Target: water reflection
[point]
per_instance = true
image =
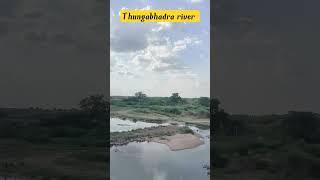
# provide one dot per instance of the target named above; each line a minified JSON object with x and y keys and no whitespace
{"x":154,"y":161}
{"x":145,"y":161}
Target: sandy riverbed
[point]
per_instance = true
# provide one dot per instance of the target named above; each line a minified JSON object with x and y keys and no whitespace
{"x":180,"y":141}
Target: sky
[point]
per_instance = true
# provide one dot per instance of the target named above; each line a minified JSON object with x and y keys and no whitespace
{"x":160,"y":58}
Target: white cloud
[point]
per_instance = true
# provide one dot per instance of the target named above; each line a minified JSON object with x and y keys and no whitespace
{"x":162,"y":26}
{"x":139,"y":45}
{"x":126,"y":37}
{"x":161,"y":85}
{"x":146,"y":8}
{"x":163,"y":55}
{"x":146,"y":57}
{"x":182,"y":44}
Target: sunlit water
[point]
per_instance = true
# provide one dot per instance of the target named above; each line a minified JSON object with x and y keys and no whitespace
{"x":154,"y":161}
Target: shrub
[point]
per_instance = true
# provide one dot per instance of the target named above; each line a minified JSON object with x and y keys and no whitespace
{"x":204,"y":101}
{"x":186,"y":130}
{"x":175,"y":99}
{"x":203,"y":113}
{"x":94,"y":104}
{"x":172,"y":110}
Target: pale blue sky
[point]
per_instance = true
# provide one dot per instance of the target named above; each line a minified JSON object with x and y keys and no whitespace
{"x":160,"y":58}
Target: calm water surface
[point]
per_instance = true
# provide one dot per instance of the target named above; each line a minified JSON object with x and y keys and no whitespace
{"x":154,"y":161}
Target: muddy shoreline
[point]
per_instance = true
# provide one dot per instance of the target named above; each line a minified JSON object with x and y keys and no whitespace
{"x":180,"y":141}
{"x":175,"y":137}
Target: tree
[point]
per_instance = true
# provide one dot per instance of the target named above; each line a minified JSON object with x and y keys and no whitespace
{"x":94,"y":104}
{"x":175,"y":98}
{"x":220,"y":118}
{"x":140,"y":96}
{"x":214,"y":106}
{"x":204,"y":101}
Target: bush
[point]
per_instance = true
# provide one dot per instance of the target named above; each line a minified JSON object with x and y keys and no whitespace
{"x":141,"y":110}
{"x":186,"y":130}
{"x":94,"y":104}
{"x":203,"y":114}
{"x":172,"y":110}
{"x":175,"y":99}
{"x":204,"y":101}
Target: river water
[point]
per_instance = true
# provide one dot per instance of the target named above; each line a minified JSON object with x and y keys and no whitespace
{"x":154,"y":161}
{"x":120,"y":125}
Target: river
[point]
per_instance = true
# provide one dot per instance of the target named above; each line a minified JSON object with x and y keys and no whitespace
{"x":154,"y":161}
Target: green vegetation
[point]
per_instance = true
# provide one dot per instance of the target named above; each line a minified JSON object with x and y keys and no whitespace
{"x":173,"y":108}
{"x":265,"y":147}
{"x":94,"y":104}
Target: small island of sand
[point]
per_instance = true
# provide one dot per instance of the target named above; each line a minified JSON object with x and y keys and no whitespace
{"x":175,"y":137}
{"x":180,"y":141}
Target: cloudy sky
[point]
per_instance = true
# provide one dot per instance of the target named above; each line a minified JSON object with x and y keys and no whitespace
{"x":160,"y":58}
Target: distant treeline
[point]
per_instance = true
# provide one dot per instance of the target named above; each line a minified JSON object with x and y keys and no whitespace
{"x":173,"y":105}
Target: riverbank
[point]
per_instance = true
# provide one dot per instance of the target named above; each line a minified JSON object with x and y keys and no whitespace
{"x":155,"y":117}
{"x":175,"y":137}
{"x":160,"y":110}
